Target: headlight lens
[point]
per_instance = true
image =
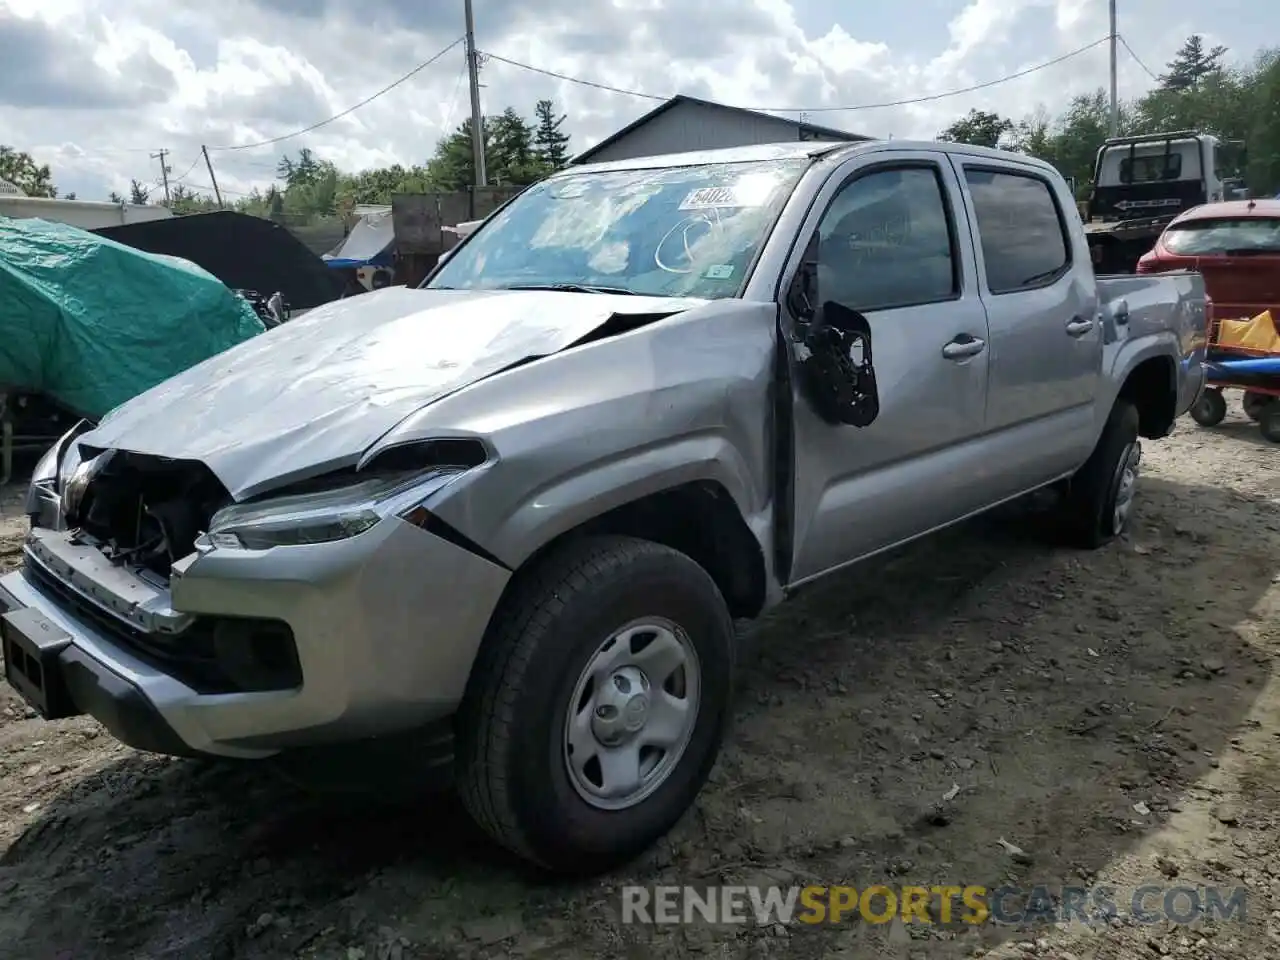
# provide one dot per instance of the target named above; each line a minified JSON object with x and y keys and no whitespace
{"x":323,"y":516}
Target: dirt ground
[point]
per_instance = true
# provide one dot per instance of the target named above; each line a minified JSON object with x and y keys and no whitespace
{"x":1114,"y":715}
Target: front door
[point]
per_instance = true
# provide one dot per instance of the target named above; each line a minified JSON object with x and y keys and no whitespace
{"x":892,"y":245}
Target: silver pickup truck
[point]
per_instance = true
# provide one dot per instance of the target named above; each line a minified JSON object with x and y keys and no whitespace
{"x":500,"y":526}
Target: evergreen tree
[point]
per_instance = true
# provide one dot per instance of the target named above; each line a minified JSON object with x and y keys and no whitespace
{"x":552,"y":144}
{"x":1191,"y":64}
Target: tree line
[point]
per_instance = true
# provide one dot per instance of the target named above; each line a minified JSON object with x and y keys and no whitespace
{"x":1197,"y":91}
{"x":517,"y":152}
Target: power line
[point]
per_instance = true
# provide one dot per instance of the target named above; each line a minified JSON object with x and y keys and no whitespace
{"x":861,"y":106}
{"x":577,"y":80}
{"x":1136,"y":58}
{"x":338,"y":116}
{"x":453,"y":100}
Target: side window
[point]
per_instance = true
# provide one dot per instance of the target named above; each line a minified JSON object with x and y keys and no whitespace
{"x":1023,"y":234}
{"x":886,"y":241}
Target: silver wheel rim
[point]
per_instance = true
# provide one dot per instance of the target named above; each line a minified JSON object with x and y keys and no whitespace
{"x":631,"y":714}
{"x":1126,"y":483}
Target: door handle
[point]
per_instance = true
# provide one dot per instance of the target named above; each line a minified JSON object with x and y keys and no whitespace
{"x":963,"y":347}
{"x":1079,"y":326}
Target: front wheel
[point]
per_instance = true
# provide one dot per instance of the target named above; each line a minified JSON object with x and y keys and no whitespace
{"x":598,"y":704}
{"x":1211,"y":409}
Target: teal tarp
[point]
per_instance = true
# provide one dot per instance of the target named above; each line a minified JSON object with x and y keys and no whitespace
{"x":92,"y":323}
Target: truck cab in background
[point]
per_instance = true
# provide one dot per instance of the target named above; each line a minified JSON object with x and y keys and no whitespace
{"x":1142,"y":182}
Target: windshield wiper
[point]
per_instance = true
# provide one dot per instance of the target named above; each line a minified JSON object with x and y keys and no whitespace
{"x":570,"y":288}
{"x":1252,"y":252}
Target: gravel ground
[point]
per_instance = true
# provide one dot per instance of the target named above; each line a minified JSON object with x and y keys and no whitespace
{"x":1115,"y":715}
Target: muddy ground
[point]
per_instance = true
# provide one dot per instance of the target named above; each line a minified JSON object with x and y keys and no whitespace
{"x":1115,"y":716}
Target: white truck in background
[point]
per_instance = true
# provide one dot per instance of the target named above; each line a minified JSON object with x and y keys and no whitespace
{"x":1141,"y":183}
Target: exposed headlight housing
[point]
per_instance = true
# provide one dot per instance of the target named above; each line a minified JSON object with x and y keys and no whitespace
{"x":44,"y":494}
{"x":326,"y":515}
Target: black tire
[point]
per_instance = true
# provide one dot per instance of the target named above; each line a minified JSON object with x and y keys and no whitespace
{"x":1254,"y":404}
{"x":1210,"y":410}
{"x":1269,"y":421}
{"x":1089,"y":509}
{"x":511,"y":772}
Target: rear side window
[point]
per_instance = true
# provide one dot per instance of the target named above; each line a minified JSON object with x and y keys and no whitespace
{"x":1023,"y":234}
{"x":1198,"y":238}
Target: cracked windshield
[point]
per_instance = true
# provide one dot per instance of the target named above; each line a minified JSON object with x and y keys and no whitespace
{"x":668,"y":232}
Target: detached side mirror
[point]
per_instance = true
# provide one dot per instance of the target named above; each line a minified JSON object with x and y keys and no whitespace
{"x":836,"y":366}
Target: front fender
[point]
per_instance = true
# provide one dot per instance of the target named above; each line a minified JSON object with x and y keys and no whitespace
{"x":682,"y":400}
{"x":574,"y":499}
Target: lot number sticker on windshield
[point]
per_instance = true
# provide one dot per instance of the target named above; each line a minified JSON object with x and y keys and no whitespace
{"x":707,"y":198}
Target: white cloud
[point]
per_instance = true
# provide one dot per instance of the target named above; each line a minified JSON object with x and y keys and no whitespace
{"x":93,"y":87}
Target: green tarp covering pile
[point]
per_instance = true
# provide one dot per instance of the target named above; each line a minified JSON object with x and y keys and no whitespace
{"x":91,"y":323}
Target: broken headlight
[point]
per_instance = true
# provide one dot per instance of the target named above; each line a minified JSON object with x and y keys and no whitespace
{"x":325,"y":515}
{"x":44,"y":495}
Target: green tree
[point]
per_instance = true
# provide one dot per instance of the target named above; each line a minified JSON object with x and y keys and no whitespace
{"x":1191,"y":64}
{"x":378,"y":186}
{"x":303,"y":171}
{"x":1033,"y":135}
{"x":138,"y":193}
{"x":510,"y":157}
{"x":115,"y":197}
{"x":980,"y":128}
{"x":550,"y":142}
{"x":453,"y":167}
{"x":20,"y":169}
{"x":183,"y":201}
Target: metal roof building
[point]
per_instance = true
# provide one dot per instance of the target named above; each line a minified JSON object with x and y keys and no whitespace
{"x":683,"y":124}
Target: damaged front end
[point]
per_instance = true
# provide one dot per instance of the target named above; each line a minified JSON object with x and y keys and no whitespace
{"x":142,"y":511}
{"x":107,"y":533}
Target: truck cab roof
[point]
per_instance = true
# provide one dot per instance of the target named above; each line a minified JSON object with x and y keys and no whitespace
{"x":788,"y":150}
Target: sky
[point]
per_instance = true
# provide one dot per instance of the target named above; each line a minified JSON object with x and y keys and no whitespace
{"x":94,"y":87}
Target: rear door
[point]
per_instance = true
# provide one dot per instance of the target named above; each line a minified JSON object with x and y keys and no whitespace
{"x":1043,"y":310}
{"x":893,"y":244}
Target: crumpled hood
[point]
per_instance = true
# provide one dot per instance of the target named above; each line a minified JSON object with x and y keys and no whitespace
{"x":315,"y":392}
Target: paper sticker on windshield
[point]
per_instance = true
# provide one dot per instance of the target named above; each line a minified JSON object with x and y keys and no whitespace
{"x":719,"y":271}
{"x":707,"y":198}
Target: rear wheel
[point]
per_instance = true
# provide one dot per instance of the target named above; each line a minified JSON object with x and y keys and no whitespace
{"x":598,"y":704}
{"x":1254,"y":404}
{"x":1210,"y":410}
{"x":1100,"y":497}
{"x":1269,"y":421}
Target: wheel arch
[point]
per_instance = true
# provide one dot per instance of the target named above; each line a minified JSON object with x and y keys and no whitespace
{"x":698,"y":518}
{"x":1151,"y":385}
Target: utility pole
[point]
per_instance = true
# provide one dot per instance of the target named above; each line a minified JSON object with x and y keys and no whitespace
{"x":212,"y":179}
{"x":1115,"y":101}
{"x":164,"y":172}
{"x":477,"y":118}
